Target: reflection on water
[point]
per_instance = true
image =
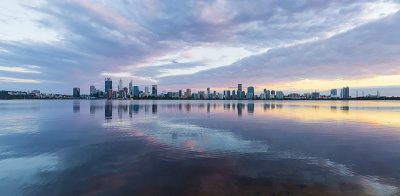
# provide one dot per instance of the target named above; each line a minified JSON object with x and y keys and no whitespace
{"x":199,"y":147}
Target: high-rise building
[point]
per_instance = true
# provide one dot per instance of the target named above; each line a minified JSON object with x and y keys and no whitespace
{"x":154,"y":91}
{"x":333,"y":93}
{"x":180,"y":93}
{"x":227,"y":94}
{"x":130,"y":88}
{"x":108,"y":85}
{"x":136,"y":91}
{"x":273,"y":93}
{"x":239,"y":91}
{"x":345,"y":93}
{"x":233,"y":94}
{"x":188,"y":93}
{"x":76,"y":92}
{"x":120,"y":85}
{"x":267,"y":94}
{"x":208,"y":92}
{"x":93,"y":90}
{"x":250,"y":92}
{"x":279,"y":94}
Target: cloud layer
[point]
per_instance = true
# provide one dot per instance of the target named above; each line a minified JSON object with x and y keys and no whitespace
{"x":197,"y":44}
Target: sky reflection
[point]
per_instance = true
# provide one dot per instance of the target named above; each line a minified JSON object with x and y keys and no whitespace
{"x":210,"y":148}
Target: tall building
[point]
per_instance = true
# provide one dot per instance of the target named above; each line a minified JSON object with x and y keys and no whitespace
{"x":227,"y":94}
{"x":279,"y":94}
{"x":180,"y":93}
{"x":250,"y":92}
{"x":345,"y":93}
{"x":136,"y":91}
{"x":273,"y":93}
{"x":92,"y":90}
{"x":333,"y":93}
{"x":233,"y":94}
{"x":267,"y":94}
{"x":239,"y":91}
{"x":188,"y":93}
{"x":146,"y":91}
{"x":130,"y":88}
{"x":120,"y":85}
{"x":76,"y":92}
{"x":154,"y":91}
{"x":108,"y":86}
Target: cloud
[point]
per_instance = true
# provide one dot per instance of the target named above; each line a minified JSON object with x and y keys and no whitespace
{"x":18,"y":69}
{"x":363,"y":52}
{"x":18,"y":80}
{"x":199,"y":43}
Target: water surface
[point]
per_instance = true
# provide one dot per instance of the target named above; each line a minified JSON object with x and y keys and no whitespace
{"x":101,"y":147}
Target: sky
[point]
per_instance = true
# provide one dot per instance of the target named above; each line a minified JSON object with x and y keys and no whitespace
{"x":294,"y":46}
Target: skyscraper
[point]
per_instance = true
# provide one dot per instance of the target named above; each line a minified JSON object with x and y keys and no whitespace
{"x":227,"y":94}
{"x":180,"y":93}
{"x":92,"y":90}
{"x":345,"y":93}
{"x":239,"y":91}
{"x":208,"y":93}
{"x":120,"y":85}
{"x":188,"y":93}
{"x":130,"y":88}
{"x":250,"y":92}
{"x":136,"y":91}
{"x":76,"y":92}
{"x":279,"y":94}
{"x":108,"y":85}
{"x":154,"y":90}
{"x":333,"y":93}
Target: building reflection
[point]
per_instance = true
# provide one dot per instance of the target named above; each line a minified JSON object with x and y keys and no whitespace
{"x":108,"y":110}
{"x":250,"y":108}
{"x":76,"y":106}
{"x":295,"y":110}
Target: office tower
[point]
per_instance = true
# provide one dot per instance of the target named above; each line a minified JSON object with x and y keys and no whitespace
{"x":345,"y":93}
{"x":279,"y":94}
{"x":92,"y":90}
{"x":154,"y":91}
{"x":136,"y":91}
{"x":233,"y":94}
{"x":146,"y":91}
{"x":120,"y":85}
{"x":208,"y":92}
{"x":273,"y":93}
{"x":227,"y":94}
{"x":188,"y":93}
{"x":239,"y":91}
{"x":202,"y":94}
{"x":108,"y":85}
{"x":76,"y":92}
{"x":250,"y":92}
{"x":243,"y":94}
{"x":130,"y":88}
{"x":333,"y":93}
{"x":267,"y":94}
{"x":180,"y":93}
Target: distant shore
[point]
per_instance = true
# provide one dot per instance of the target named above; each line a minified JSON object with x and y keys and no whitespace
{"x":285,"y":99}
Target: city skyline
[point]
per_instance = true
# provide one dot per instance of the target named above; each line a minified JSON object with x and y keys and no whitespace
{"x":300,"y":47}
